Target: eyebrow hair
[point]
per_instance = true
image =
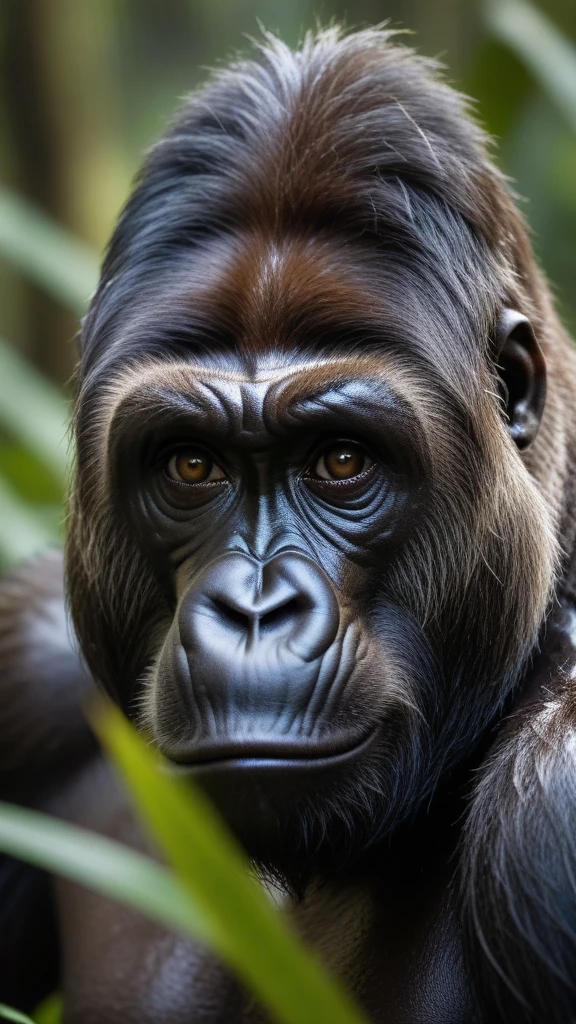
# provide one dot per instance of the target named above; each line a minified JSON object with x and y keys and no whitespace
{"x":160,"y":377}
{"x":166,"y":386}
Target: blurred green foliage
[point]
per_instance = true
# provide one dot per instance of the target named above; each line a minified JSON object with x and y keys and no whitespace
{"x":7,"y":1013}
{"x":50,"y":1012}
{"x":88,"y":86}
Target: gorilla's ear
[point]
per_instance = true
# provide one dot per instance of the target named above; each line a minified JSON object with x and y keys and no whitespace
{"x":522,"y":371}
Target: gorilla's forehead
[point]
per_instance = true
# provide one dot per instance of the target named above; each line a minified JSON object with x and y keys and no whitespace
{"x":256,"y":328}
{"x":251,"y":303}
{"x":252,"y":295}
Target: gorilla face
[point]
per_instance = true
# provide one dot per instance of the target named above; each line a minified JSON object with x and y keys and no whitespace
{"x":270,"y":510}
{"x":270,"y":502}
{"x":319,"y":535}
{"x":305,"y":549}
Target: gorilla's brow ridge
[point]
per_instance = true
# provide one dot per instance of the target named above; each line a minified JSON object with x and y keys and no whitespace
{"x":181,"y":386}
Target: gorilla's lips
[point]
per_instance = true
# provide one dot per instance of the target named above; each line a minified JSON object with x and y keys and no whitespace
{"x":252,"y":753}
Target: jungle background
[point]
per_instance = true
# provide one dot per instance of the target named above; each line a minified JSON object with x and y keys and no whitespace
{"x":87,"y":86}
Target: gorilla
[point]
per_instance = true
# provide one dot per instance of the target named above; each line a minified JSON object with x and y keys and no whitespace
{"x":321,"y":550}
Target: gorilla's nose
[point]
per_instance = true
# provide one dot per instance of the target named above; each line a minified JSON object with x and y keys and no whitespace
{"x":285,"y":605}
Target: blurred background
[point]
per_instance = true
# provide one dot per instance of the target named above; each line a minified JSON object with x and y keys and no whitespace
{"x":86,"y":86}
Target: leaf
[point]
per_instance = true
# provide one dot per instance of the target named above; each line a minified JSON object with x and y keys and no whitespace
{"x":7,"y":1013}
{"x":101,"y":864}
{"x":248,"y":932}
{"x":49,"y":1011}
{"x":546,"y":52}
{"x":62,"y":265}
{"x":33,"y":411}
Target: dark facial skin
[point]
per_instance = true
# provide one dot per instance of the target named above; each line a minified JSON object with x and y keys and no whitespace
{"x":266,"y":500}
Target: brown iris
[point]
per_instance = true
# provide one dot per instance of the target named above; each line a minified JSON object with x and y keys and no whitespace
{"x":342,"y":462}
{"x":190,"y":466}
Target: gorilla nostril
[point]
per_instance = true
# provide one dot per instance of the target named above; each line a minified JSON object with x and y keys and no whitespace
{"x":274,"y":619}
{"x":232,"y":615}
{"x":287,"y":604}
{"x":281,"y":616}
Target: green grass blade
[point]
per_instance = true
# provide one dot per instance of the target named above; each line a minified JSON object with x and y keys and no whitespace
{"x":62,"y":265}
{"x":249,"y":933}
{"x":103,"y":865}
{"x":33,"y":411}
{"x":548,"y":54}
{"x":50,"y":1010}
{"x":7,"y":1013}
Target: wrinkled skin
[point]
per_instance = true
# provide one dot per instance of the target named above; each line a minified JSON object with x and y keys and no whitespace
{"x":271,"y":666}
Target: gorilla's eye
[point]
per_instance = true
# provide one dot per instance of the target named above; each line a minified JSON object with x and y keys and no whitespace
{"x":343,"y":461}
{"x":191,"y":466}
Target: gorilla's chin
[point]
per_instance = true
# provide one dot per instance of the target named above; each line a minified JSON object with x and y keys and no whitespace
{"x":299,"y":818}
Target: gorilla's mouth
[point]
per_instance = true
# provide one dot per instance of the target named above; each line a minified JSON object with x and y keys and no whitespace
{"x":264,"y":790}
{"x":266,"y":753}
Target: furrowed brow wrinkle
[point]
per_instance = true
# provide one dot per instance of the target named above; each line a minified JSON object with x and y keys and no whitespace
{"x":172,"y":380}
{"x":214,"y":394}
{"x":183,"y":412}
